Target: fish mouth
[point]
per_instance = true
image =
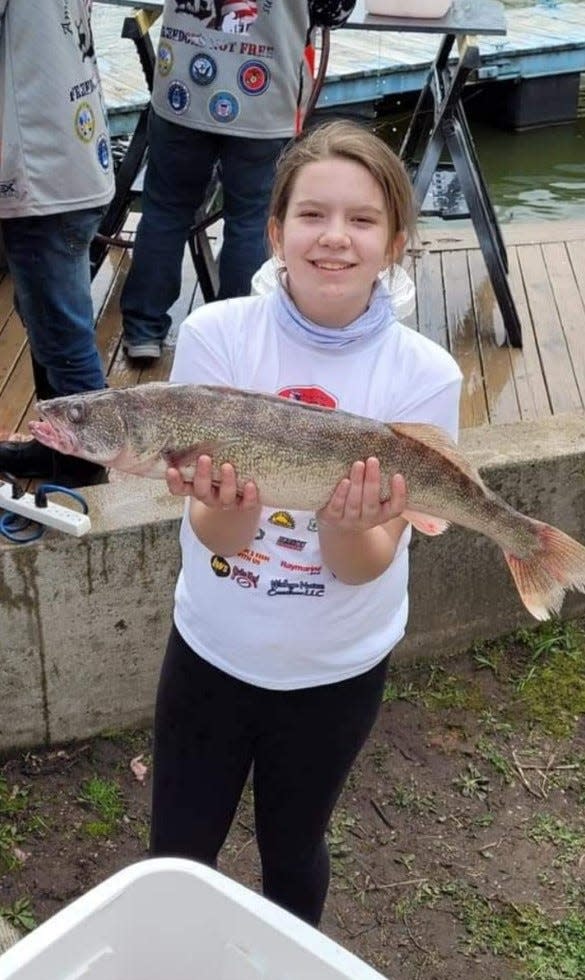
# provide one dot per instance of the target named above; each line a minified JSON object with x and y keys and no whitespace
{"x":50,"y":433}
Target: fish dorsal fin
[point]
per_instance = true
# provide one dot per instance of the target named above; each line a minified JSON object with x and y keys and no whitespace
{"x":438,"y":441}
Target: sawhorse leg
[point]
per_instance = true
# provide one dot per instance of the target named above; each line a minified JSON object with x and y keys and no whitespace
{"x":485,"y":224}
{"x":450,"y":128}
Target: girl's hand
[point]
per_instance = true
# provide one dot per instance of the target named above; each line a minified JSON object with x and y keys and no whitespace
{"x":217,"y":496}
{"x":355,"y":502}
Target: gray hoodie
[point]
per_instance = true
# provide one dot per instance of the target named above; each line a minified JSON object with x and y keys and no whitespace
{"x":233,"y":66}
{"x":55,"y":150}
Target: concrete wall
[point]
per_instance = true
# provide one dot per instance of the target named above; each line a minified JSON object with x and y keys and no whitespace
{"x":83,"y":622}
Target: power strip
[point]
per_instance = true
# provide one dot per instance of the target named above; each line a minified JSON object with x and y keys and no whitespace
{"x":53,"y":515}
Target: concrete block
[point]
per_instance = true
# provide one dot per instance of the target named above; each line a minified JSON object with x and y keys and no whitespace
{"x":23,"y":709}
{"x":84,"y":622}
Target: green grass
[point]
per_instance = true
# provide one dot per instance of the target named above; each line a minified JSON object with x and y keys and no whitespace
{"x":472,"y":783}
{"x":433,"y":686}
{"x":10,"y":838}
{"x":534,"y":944}
{"x":20,"y":915}
{"x":13,"y":799}
{"x":104,"y":797}
{"x":568,"y":841}
{"x":541,"y":675}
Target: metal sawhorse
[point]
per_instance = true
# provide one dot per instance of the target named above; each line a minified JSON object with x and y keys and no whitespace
{"x":458,"y":189}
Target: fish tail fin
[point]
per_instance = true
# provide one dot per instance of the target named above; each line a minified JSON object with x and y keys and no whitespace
{"x":543,"y":577}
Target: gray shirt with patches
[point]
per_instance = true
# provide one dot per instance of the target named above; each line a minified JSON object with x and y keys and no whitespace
{"x":55,"y":150}
{"x":233,"y":66}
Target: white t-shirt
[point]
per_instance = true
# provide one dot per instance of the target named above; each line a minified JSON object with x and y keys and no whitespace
{"x":274,"y":615}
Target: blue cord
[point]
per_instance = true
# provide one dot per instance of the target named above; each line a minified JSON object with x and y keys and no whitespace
{"x":45,"y":488}
{"x":13,"y":526}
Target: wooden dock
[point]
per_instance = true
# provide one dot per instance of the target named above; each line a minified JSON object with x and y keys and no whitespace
{"x":455,"y":306}
{"x":365,"y":66}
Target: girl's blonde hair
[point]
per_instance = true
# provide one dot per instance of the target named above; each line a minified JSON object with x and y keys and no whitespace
{"x":348,"y":141}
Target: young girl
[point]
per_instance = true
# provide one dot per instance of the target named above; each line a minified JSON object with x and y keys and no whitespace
{"x":284,"y":620}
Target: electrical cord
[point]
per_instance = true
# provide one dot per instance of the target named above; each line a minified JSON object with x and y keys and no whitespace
{"x":23,"y":530}
{"x":45,"y":488}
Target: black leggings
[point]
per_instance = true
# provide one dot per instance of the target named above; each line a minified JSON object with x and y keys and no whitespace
{"x":210,"y":728}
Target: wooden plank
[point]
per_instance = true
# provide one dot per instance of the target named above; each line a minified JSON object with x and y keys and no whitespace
{"x":463,"y":340}
{"x":531,"y":389}
{"x":442,"y":238}
{"x":12,"y":343}
{"x":497,"y":366}
{"x":16,"y":395}
{"x":556,"y":363}
{"x":576,"y":252}
{"x":431,"y":313}
{"x":570,"y":307}
{"x":6,"y":298}
{"x":119,"y":370}
{"x":104,"y":278}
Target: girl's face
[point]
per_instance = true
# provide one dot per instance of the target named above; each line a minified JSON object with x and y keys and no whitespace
{"x":334,"y":240}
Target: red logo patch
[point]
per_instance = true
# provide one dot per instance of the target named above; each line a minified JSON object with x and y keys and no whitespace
{"x":310,"y":395}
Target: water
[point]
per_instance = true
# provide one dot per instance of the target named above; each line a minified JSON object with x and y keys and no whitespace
{"x":538,"y":175}
{"x":532,"y":176}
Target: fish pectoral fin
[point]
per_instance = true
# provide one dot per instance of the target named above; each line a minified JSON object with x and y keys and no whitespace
{"x":424,"y":523}
{"x":438,"y":441}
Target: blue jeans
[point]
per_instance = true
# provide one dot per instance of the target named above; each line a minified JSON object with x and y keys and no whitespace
{"x":180,"y":166}
{"x":48,"y":258}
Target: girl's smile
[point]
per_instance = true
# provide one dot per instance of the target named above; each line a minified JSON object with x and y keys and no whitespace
{"x":334,"y":240}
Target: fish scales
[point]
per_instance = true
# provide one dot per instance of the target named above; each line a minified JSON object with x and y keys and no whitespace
{"x":294,"y":457}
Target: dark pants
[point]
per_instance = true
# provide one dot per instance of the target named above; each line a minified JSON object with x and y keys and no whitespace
{"x":210,"y":728}
{"x":48,"y":257}
{"x":180,"y":166}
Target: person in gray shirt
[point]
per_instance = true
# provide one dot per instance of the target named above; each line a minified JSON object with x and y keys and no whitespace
{"x":232,"y":81}
{"x":56,"y":178}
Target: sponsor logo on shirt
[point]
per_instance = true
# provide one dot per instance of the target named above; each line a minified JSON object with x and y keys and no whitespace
{"x":282,"y":518}
{"x":103,"y":151}
{"x":164,"y":59}
{"x":292,"y":543}
{"x":203,"y":69}
{"x":310,"y":395}
{"x":282,"y":586}
{"x":82,"y":90}
{"x":255,"y":557}
{"x":254,"y":78}
{"x":220,"y":566}
{"x":178,"y":97}
{"x":224,"y":107}
{"x":291,"y":566}
{"x":8,"y":189}
{"x":85,"y":122}
{"x":245,"y":578}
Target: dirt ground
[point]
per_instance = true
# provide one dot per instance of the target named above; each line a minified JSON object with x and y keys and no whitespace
{"x":458,"y":847}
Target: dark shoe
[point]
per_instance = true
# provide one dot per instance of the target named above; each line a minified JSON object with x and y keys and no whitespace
{"x":73,"y":472}
{"x":30,"y":459}
{"x":26,"y":459}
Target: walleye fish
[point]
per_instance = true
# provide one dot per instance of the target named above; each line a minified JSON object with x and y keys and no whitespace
{"x":297,"y":454}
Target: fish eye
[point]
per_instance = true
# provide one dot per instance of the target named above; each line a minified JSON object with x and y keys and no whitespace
{"x":76,"y":412}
